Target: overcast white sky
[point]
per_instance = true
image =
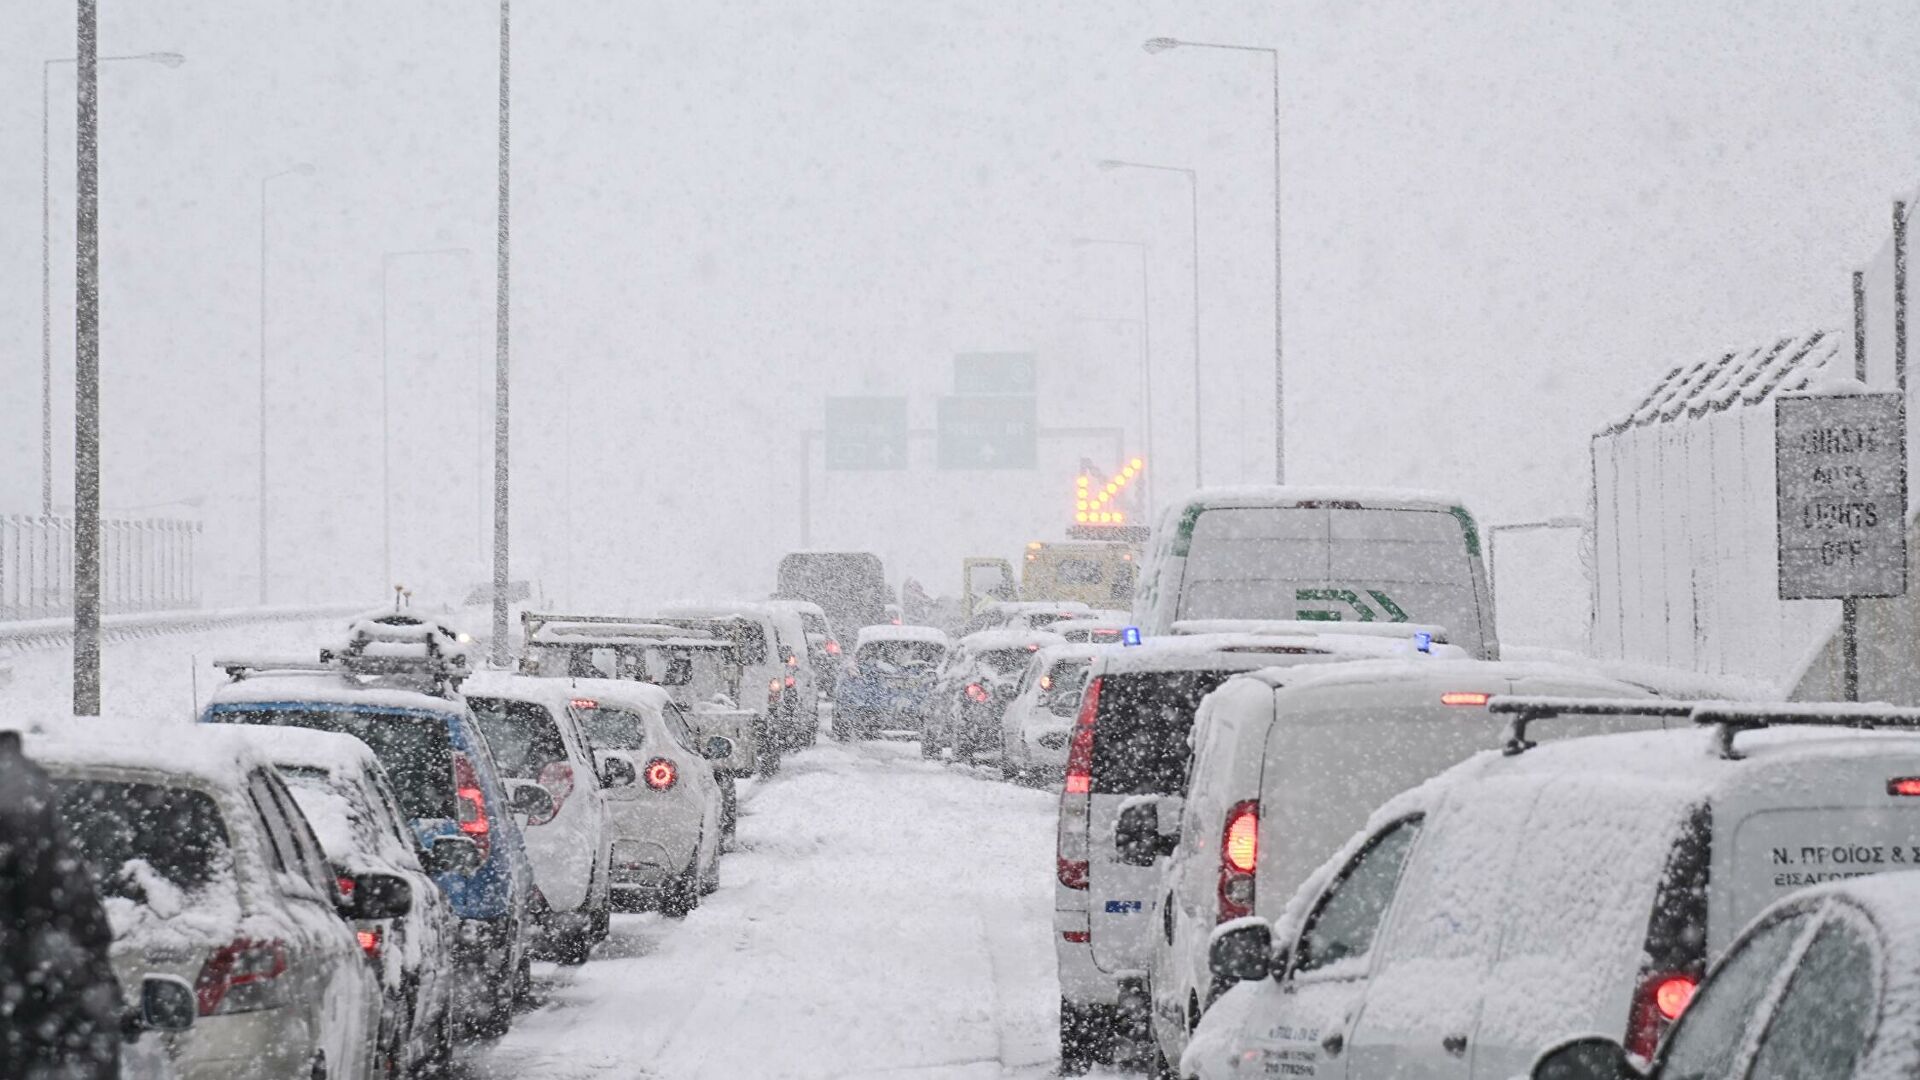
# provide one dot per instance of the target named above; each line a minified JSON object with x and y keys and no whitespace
{"x":1502,"y":220}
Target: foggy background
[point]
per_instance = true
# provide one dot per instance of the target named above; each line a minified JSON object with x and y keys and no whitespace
{"x":1502,"y":221}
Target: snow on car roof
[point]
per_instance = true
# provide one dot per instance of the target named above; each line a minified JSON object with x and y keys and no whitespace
{"x":337,"y":753}
{"x":807,"y":607}
{"x":1272,"y":495}
{"x":625,"y":693}
{"x":1403,"y":631}
{"x":1023,"y":607}
{"x":573,"y":631}
{"x":269,"y":686}
{"x":901,"y":633}
{"x":552,"y":692}
{"x":983,"y":640}
{"x":1251,"y":651}
{"x":209,"y":754}
{"x":718,"y":609}
{"x":1446,"y":672}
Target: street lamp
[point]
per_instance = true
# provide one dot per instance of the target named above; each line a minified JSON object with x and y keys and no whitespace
{"x":1162,"y":44}
{"x":1193,"y":191}
{"x":386,"y":428}
{"x":165,"y":59}
{"x":302,"y":169}
{"x":1146,"y":336}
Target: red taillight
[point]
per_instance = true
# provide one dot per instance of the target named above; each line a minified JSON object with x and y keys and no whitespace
{"x":976,"y":692}
{"x":1904,"y":785}
{"x":789,"y":682}
{"x":1071,"y":872}
{"x":833,"y":647}
{"x":241,"y":977}
{"x":1071,"y":865}
{"x":1078,"y":937}
{"x":557,"y":778}
{"x":1239,"y":855}
{"x":584,"y":703}
{"x":1080,"y":751}
{"x":793,"y":661}
{"x":345,"y":885}
{"x":472,"y":804}
{"x":370,"y":942}
{"x":1464,"y":697}
{"x":661,"y":774}
{"x":1662,"y":997}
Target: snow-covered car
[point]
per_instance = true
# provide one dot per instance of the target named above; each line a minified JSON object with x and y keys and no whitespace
{"x":347,"y":799}
{"x":664,"y":833}
{"x":888,"y":682}
{"x":1281,"y":554}
{"x":1819,"y":985}
{"x":823,"y":643}
{"x":975,"y":686}
{"x":538,"y":748}
{"x":1292,"y":757}
{"x":210,"y":874}
{"x":1093,"y":631}
{"x":1577,"y":886}
{"x":404,"y":703}
{"x":1129,"y":749}
{"x":1035,"y":729}
{"x":1026,"y":614}
{"x":769,"y":685}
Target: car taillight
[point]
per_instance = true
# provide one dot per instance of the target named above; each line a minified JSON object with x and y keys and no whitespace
{"x":1464,"y":697}
{"x":345,"y":885}
{"x":1662,"y":997}
{"x":557,"y":778}
{"x":472,"y":804}
{"x":242,"y":976}
{"x":370,"y":941}
{"x":1904,"y":785}
{"x":661,"y":774}
{"x":793,"y":660}
{"x":976,"y":692}
{"x":1239,"y":855}
{"x":1078,"y":937}
{"x":789,"y":682}
{"x":833,"y":647}
{"x":584,"y":703}
{"x":1080,"y":751}
{"x":1071,"y":856}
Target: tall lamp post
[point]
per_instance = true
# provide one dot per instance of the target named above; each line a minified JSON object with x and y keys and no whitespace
{"x":1146,"y":348}
{"x":166,"y":59}
{"x":302,"y":169}
{"x":1193,"y":191}
{"x":386,"y":407}
{"x":1162,"y":44}
{"x":501,"y":309}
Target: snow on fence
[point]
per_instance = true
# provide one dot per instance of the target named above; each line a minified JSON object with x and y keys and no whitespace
{"x":146,"y":564}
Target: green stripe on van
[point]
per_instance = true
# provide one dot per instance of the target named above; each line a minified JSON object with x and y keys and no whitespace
{"x":1472,"y":530}
{"x":1183,"y":536}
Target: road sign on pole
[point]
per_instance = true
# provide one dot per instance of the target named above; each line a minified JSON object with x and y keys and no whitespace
{"x":1841,"y":477}
{"x":866,"y":434}
{"x":997,"y":431}
{"x":994,"y":373}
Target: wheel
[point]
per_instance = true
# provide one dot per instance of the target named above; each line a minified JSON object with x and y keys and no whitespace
{"x":436,"y":1062}
{"x":575,"y":947}
{"x":768,"y":762}
{"x":729,"y":810}
{"x":318,"y":1071}
{"x":682,"y":894}
{"x":1085,"y":1038}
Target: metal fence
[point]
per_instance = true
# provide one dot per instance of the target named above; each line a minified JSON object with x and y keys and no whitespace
{"x":146,"y":564}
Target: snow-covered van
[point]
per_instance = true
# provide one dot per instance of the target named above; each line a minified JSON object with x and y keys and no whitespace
{"x":1287,"y":763}
{"x":1283,"y":554}
{"x":1578,"y":886}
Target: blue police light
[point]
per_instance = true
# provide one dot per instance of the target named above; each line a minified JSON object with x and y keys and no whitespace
{"x":1130,"y":636}
{"x":1423,"y":641}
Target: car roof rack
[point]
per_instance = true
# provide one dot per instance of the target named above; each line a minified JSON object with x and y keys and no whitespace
{"x":1730,"y":718}
{"x":638,"y":626}
{"x":409,"y":652}
{"x":1526,"y":709}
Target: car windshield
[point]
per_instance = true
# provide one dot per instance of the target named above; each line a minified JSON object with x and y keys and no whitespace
{"x":416,"y":749}
{"x":129,"y":833}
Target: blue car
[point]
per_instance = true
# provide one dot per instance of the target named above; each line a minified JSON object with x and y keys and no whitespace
{"x":444,"y":778}
{"x":888,"y":684}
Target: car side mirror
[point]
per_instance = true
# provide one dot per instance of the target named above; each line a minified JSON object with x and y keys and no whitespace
{"x":1241,"y":951}
{"x":1588,"y":1057}
{"x":1137,"y":839}
{"x":530,"y":800}
{"x":451,"y":855}
{"x":616,"y":771}
{"x":166,"y":1004}
{"x":377,"y":896}
{"x":718,"y":748}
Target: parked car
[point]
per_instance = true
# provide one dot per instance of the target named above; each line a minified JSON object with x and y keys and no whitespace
{"x":1290,"y":760}
{"x":346,"y":797}
{"x":404,"y":703}
{"x":211,"y":875}
{"x":1129,"y":748}
{"x":769,"y":681}
{"x":975,"y":687}
{"x":537,"y":743}
{"x":1281,"y":554}
{"x":1582,"y":885}
{"x":663,"y":833}
{"x":1035,"y":729}
{"x":889,"y":680}
{"x":1819,"y":985}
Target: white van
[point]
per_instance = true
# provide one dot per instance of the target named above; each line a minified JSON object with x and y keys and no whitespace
{"x":1583,"y":886}
{"x":1278,"y":554}
{"x":1287,"y":763}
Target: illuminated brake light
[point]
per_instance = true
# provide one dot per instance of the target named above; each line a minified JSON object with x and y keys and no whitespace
{"x":661,"y":774}
{"x":345,"y":885}
{"x":584,"y":703}
{"x":1239,"y":854}
{"x":1079,"y":779}
{"x":793,"y":661}
{"x":1672,"y":996}
{"x":1033,"y":646}
{"x":976,"y":692}
{"x":471,"y":804}
{"x":242,"y":976}
{"x":1464,"y":697}
{"x":1662,"y":997}
{"x":790,"y":680}
{"x":833,"y":647}
{"x":1904,"y":785}
{"x":1242,"y":845}
{"x":370,"y":941}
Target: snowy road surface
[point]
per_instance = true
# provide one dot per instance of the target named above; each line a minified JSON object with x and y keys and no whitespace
{"x":886,"y":917}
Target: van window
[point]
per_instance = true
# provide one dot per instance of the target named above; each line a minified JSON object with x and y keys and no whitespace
{"x":1823,"y":1023}
{"x":522,"y":735}
{"x":1140,"y":730}
{"x":1716,"y":1023}
{"x":1343,"y":924}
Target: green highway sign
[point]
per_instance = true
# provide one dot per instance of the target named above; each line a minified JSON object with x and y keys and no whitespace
{"x":999,"y":431}
{"x":866,"y":434}
{"x":994,"y":373}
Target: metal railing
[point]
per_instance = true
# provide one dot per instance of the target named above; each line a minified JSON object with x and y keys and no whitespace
{"x":146,"y":564}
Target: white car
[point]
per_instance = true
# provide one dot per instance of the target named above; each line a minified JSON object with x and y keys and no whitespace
{"x":345,"y":794}
{"x":1581,"y":886}
{"x":209,"y":872}
{"x":663,"y":833}
{"x":1035,"y":729}
{"x":769,"y":672}
{"x":537,"y":744}
{"x":1291,"y":757}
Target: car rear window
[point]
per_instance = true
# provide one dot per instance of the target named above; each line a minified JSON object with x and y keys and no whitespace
{"x":1140,"y":731}
{"x":177,"y":833}
{"x":522,"y":735}
{"x":609,"y":728}
{"x":1005,"y":661}
{"x":414,"y":747}
{"x":900,"y":657}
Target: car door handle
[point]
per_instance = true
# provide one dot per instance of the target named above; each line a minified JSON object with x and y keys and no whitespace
{"x":1333,"y":1044}
{"x":1454,"y":1044}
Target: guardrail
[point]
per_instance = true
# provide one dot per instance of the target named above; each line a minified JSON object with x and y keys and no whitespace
{"x":146,"y":564}
{"x":36,"y":634}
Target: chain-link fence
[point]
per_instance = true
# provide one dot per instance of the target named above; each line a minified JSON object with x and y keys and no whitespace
{"x":146,"y":564}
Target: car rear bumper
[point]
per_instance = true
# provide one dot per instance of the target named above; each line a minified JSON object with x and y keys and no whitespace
{"x":266,"y":1043}
{"x":1081,"y":980}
